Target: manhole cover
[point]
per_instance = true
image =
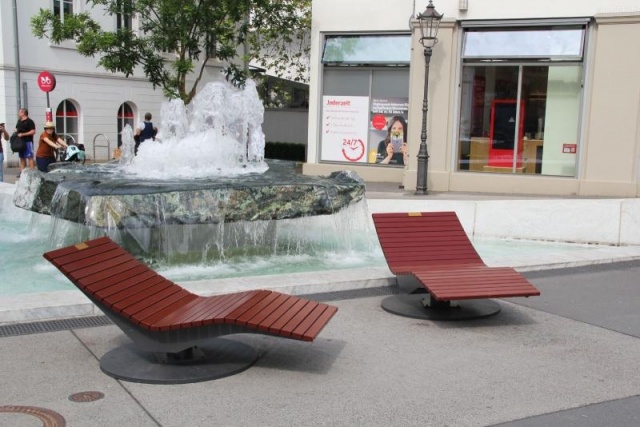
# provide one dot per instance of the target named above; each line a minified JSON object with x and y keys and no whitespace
{"x":47,"y":416}
{"x":86,"y":396}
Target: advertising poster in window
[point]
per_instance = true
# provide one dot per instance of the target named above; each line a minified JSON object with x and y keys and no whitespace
{"x":344,"y":128}
{"x":388,"y":131}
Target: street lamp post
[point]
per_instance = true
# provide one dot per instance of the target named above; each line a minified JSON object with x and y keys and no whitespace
{"x":429,"y":22}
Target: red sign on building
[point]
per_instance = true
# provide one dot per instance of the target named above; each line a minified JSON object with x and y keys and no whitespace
{"x":46,"y":81}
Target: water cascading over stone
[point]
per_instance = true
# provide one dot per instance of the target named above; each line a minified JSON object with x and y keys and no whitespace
{"x":201,"y":191}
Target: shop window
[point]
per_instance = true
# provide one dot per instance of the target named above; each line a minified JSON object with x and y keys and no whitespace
{"x":374,"y":49}
{"x":124,"y":117}
{"x":365,"y":99}
{"x":538,"y":43}
{"x":360,"y":108}
{"x":67,"y":121}
{"x":521,"y":117}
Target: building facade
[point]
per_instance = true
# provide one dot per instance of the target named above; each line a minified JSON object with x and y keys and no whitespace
{"x":89,"y":104}
{"x":524,"y":97}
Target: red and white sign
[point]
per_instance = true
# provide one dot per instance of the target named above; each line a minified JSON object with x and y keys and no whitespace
{"x":569,"y":148}
{"x":378,"y":121}
{"x":345,"y":122}
{"x":46,"y":81}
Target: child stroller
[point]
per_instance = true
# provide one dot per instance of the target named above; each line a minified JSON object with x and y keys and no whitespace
{"x":73,"y":153}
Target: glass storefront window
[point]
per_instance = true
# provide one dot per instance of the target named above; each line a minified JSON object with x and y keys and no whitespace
{"x":520,"y":119}
{"x":555,"y":44}
{"x":364,"y":116}
{"x":367,"y":49}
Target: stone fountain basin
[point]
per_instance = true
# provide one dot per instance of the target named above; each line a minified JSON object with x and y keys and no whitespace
{"x":103,"y":196}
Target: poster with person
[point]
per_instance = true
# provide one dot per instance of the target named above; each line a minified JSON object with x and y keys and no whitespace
{"x":344,"y":128}
{"x":387,"y":137}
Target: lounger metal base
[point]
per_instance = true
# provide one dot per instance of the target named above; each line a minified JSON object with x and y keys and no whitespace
{"x":218,"y":358}
{"x":418,"y":306}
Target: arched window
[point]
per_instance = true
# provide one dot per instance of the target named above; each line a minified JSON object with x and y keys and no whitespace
{"x":125,"y":117}
{"x":67,"y":120}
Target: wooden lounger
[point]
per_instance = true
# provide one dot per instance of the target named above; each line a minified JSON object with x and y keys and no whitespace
{"x":433,"y":248}
{"x":163,"y":318}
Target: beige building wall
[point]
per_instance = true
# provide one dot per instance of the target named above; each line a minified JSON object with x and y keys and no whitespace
{"x":609,"y":137}
{"x":611,"y":141}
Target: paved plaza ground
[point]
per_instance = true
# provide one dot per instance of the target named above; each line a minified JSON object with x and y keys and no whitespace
{"x":566,"y":358}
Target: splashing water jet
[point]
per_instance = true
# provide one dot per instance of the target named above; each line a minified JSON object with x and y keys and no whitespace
{"x":201,"y":191}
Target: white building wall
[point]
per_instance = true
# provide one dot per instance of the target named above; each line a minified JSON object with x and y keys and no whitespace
{"x":97,"y":92}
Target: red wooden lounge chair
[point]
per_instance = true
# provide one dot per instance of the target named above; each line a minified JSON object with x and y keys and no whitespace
{"x":433,"y":248}
{"x":164,"y":319}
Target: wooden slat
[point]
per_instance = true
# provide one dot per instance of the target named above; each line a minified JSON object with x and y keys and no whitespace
{"x":127,"y":278}
{"x":177,"y":318}
{"x":219,"y":316}
{"x":266,"y":323}
{"x":150,"y":322}
{"x":143,"y":292}
{"x":298,"y":318}
{"x":81,"y":272}
{"x":126,"y":269}
{"x":299,"y":331}
{"x":151,"y":309}
{"x":256,"y":301}
{"x":190,"y":317}
{"x":57,"y":253}
{"x":257,"y":319}
{"x":277,"y":325}
{"x":90,"y":252}
{"x":264,"y":305}
{"x":319,"y":323}
{"x":139,"y":302}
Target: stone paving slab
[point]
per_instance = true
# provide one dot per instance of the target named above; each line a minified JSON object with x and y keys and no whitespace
{"x":605,"y":295}
{"x":43,"y":370}
{"x":368,"y":367}
{"x":616,"y":413}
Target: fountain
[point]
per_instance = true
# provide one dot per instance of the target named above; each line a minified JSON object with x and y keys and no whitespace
{"x":202,"y":191}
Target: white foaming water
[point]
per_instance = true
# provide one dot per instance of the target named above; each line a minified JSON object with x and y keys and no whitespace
{"x":219,"y":134}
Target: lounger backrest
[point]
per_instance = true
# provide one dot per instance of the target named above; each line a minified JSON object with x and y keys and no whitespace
{"x":423,"y":239}
{"x":108,"y":274}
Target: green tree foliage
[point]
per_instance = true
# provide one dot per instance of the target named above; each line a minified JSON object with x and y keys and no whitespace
{"x":174,"y":39}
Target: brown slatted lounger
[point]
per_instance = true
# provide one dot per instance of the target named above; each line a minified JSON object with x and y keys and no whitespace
{"x":433,"y":248}
{"x":173,"y":330}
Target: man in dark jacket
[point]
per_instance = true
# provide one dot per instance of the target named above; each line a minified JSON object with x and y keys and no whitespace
{"x":144,"y":131}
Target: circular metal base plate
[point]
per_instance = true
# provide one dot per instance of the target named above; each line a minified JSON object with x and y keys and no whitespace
{"x":222,"y":359}
{"x":412,"y":306}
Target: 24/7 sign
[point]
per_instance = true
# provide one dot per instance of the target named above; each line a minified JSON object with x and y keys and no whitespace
{"x":345,"y":121}
{"x":46,"y":81}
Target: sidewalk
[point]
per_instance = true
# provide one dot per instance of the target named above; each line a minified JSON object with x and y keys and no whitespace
{"x":566,"y":358}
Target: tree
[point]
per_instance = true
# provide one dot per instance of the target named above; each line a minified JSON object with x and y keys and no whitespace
{"x":271,"y":33}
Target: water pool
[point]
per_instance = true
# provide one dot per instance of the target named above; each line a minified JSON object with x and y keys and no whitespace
{"x":25,"y":236}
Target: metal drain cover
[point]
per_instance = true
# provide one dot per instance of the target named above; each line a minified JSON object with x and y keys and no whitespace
{"x":86,"y":396}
